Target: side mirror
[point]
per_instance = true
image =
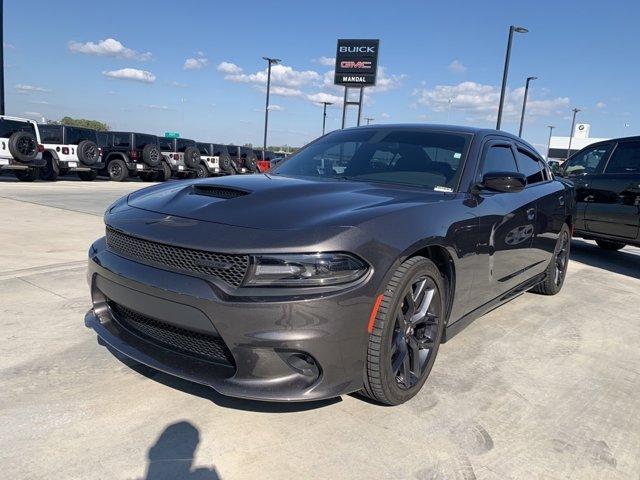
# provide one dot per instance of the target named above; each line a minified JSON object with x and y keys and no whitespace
{"x":503,"y":182}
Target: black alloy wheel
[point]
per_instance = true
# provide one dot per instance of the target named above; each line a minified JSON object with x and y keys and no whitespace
{"x":561,"y":258}
{"x":27,"y":146}
{"x":556,"y":271}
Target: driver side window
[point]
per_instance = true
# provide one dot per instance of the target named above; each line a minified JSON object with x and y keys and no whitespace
{"x":587,"y":161}
{"x":498,"y":158}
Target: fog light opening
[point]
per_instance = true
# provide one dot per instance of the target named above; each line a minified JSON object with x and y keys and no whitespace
{"x":303,"y":364}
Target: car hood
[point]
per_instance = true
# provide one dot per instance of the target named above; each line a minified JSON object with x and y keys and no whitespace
{"x":269,"y":202}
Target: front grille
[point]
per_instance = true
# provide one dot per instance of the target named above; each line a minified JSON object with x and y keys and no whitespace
{"x":229,"y":268}
{"x":218,"y":192}
{"x":192,"y":343}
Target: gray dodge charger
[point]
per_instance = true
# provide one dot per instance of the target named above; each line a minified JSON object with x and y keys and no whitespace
{"x":342,"y":269}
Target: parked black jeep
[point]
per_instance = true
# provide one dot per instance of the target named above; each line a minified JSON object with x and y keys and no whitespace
{"x":70,"y":149}
{"x":129,"y":154}
{"x":606,"y":176}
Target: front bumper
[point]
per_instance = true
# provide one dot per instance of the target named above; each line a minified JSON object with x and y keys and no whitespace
{"x":271,"y":341}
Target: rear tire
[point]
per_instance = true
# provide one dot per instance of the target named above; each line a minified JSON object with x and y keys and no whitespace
{"x":27,"y":175}
{"x":51,"y":170}
{"x":201,"y":171}
{"x":557,"y":269}
{"x":164,"y":174}
{"x":609,"y":245}
{"x":406,"y":334}
{"x":87,"y":176}
{"x":117,"y":170}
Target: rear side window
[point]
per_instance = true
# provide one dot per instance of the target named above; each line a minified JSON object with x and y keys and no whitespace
{"x":9,"y":127}
{"x":625,"y":159}
{"x":182,"y":144}
{"x":142,"y":140}
{"x":50,"y":133}
{"x":121,"y":140}
{"x":219,"y":150}
{"x":103,"y":139}
{"x":499,"y":158}
{"x":75,"y":135}
{"x":587,"y":161}
{"x":204,"y":148}
{"x":530,"y":166}
{"x":166,"y":144}
{"x":233,"y":150}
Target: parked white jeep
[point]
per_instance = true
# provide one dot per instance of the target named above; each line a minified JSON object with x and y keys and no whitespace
{"x":210,"y":160}
{"x":70,"y":149}
{"x":182,"y":155}
{"x":20,"y":148}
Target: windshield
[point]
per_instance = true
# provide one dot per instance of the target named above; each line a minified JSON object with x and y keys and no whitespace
{"x":428,"y":159}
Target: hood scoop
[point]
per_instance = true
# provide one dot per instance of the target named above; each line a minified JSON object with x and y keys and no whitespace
{"x":218,"y":191}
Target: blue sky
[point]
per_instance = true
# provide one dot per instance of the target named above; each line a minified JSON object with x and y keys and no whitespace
{"x":195,"y":67}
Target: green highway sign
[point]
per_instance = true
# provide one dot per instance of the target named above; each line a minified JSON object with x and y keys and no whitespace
{"x":171,"y":135}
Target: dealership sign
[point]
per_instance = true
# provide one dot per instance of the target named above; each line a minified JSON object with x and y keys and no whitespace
{"x":356,"y":63}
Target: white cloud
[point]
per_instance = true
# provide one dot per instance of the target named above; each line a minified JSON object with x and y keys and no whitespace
{"x":229,"y":68}
{"x":321,"y":97}
{"x":157,"y":107}
{"x":39,"y":102}
{"x":480,"y":102}
{"x":423,"y":117}
{"x":131,"y":74}
{"x":601,"y":105}
{"x":8,"y":45}
{"x":280,"y":75}
{"x":109,"y":47}
{"x":22,"y":88}
{"x":276,"y":108}
{"x":33,"y":114}
{"x":199,"y":62}
{"x":326,"y":61}
{"x":385,"y":82}
{"x":385,"y":115}
{"x":457,"y":67}
{"x":178,"y":84}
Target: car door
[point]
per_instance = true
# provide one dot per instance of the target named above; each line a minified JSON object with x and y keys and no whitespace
{"x":613,"y":205}
{"x":582,"y":168}
{"x":506,"y":224}
{"x":550,"y":207}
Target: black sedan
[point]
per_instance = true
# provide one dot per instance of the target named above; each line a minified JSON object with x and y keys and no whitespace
{"x":343,"y":269}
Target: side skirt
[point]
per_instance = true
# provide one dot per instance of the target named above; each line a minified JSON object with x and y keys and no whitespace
{"x":456,"y":327}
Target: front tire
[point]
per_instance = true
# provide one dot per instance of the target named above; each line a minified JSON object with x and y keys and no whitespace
{"x":557,"y":269}
{"x":51,"y":169}
{"x":609,"y":245}
{"x":406,"y":334}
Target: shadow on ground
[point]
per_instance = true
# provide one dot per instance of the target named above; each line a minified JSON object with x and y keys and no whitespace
{"x":171,"y":457}
{"x":624,"y":262}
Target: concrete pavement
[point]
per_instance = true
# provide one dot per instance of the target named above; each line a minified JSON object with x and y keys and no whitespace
{"x":543,"y":387}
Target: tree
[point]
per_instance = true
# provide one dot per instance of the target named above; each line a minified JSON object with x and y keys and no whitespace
{"x":83,"y":122}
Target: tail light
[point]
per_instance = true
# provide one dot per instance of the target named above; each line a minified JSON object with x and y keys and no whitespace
{"x":100,"y":151}
{"x":176,"y":156}
{"x":40,"y":148}
{"x":133,"y":154}
{"x":65,"y":150}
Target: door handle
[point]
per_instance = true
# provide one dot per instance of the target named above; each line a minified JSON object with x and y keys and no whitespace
{"x":561,"y":200}
{"x":531,"y":214}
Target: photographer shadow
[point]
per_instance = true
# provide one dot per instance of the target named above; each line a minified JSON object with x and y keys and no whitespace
{"x":172,"y":456}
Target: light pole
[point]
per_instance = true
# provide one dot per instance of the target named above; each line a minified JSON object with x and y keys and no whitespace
{"x":524,"y":103}
{"x":2,"y":57}
{"x":324,"y":114}
{"x":270,"y":61}
{"x":573,"y":126}
{"x":369,"y":119}
{"x":505,"y":73}
{"x":550,"y":127}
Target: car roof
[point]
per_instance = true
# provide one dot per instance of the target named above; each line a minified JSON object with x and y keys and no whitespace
{"x":635,"y":138}
{"x":433,"y":127}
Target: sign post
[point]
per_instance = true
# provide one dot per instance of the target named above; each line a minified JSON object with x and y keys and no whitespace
{"x":356,"y":67}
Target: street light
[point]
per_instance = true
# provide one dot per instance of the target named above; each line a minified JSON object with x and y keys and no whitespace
{"x":270,"y":61}
{"x":324,"y":114}
{"x":369,"y":119}
{"x":524,"y":103}
{"x":573,"y":126}
{"x":505,"y":73}
{"x":2,"y":57}
{"x":550,"y":127}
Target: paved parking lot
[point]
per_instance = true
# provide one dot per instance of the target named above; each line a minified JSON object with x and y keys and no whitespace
{"x":540,"y":388}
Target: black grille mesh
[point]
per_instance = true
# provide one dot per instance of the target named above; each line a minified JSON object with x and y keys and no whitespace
{"x":186,"y":341}
{"x":218,"y":192}
{"x":229,"y":268}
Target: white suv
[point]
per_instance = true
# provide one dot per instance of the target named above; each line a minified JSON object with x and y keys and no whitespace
{"x":182,"y":155}
{"x":70,"y":149}
{"x":20,"y":148}
{"x":210,"y":164}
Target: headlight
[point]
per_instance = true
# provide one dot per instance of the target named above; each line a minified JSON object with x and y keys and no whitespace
{"x":304,"y":270}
